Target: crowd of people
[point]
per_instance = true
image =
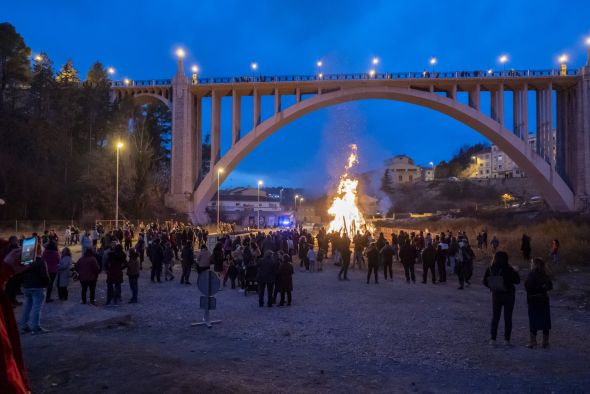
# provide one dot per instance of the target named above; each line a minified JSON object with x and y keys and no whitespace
{"x":260,"y":260}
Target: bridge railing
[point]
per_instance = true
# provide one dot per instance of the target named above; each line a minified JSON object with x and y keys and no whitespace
{"x":358,"y":76}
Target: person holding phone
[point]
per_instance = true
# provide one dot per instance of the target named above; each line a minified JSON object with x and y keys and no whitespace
{"x":35,"y":281}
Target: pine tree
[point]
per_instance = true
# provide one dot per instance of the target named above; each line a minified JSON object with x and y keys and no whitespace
{"x":42,"y":85}
{"x":14,"y":61}
{"x":68,"y":75}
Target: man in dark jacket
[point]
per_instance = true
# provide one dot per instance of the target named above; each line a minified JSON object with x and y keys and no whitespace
{"x":157,"y":258}
{"x":188,"y":259}
{"x":441,"y":260}
{"x":266,"y":275}
{"x":407,"y":256}
{"x":372,"y":262}
{"x":387,"y":253}
{"x":35,"y":280}
{"x":428,"y":260}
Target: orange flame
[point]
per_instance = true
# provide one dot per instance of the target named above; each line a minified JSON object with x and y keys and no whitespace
{"x":347,"y":216}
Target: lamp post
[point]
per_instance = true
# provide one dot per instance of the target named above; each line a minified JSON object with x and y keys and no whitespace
{"x":295,"y":206}
{"x":319,"y":65}
{"x":588,"y":46}
{"x":219,"y":171}
{"x":258,"y":221}
{"x":503,"y":60}
{"x":433,"y":62}
{"x":111,"y":70}
{"x":119,"y":146}
{"x":195,"y":70}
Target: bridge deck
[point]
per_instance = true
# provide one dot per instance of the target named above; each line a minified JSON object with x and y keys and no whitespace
{"x":439,"y":81}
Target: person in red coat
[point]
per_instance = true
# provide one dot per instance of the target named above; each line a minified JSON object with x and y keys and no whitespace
{"x":13,"y":378}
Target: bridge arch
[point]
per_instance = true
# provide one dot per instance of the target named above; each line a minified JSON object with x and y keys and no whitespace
{"x":553,"y":188}
{"x":146,"y":97}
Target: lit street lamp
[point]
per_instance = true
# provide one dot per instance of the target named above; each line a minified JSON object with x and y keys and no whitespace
{"x":295,"y":206}
{"x":563,"y":64}
{"x":111,"y":70}
{"x":258,"y":224}
{"x":38,"y":58}
{"x":219,"y":171}
{"x":503,"y":60}
{"x":119,"y":146}
{"x":375,"y":61}
{"x":588,"y":45}
{"x":372,"y":73}
{"x":433,"y":62}
{"x":195,"y":70}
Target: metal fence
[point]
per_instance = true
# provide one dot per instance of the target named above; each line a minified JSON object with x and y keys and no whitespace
{"x":485,"y":74}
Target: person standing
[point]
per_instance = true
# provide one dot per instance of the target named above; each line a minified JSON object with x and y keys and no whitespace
{"x":115,"y":263}
{"x":168,"y":257}
{"x":63,"y":274}
{"x":285,"y":280}
{"x":555,"y":251}
{"x":500,"y":278}
{"x":35,"y":280}
{"x":140,"y":249}
{"x":345,"y":254}
{"x":187,"y":256}
{"x":88,"y":269}
{"x":51,"y":257}
{"x":133,"y":274}
{"x":537,"y":285}
{"x":407,"y":256}
{"x":441,"y":261}
{"x":372,"y":262}
{"x":428,"y":262}
{"x":311,"y":258}
{"x":386,"y":254}
{"x":203,"y":259}
{"x":156,"y":257}
{"x":266,"y":275}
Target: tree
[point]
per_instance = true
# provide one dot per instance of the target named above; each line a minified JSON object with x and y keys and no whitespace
{"x":68,"y":75}
{"x":42,"y":86}
{"x":14,"y":61}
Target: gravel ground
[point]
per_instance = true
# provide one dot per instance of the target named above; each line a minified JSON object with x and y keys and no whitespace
{"x":336,"y":337}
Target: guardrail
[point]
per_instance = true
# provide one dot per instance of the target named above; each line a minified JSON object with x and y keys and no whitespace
{"x":510,"y":74}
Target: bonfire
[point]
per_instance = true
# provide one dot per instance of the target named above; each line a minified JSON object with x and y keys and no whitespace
{"x":347,"y":216}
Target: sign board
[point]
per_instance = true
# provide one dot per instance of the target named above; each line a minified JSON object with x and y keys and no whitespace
{"x":208,"y":302}
{"x":208,"y":283}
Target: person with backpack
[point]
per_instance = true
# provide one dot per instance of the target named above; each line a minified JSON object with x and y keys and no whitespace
{"x":537,"y":285}
{"x":500,"y":278}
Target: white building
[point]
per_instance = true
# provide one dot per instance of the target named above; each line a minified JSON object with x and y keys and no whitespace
{"x":427,"y":174}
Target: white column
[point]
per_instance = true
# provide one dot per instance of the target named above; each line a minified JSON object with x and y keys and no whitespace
{"x":215,"y":127}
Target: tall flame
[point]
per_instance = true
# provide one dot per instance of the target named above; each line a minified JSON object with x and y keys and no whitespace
{"x":347,"y":216}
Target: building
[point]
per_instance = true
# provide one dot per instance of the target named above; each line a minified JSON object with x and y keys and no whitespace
{"x":533,"y":143}
{"x":401,"y":169}
{"x":427,"y":174}
{"x":241,"y":205}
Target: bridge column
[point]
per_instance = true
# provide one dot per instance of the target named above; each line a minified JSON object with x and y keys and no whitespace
{"x":498,"y":104}
{"x":525,"y":112}
{"x":256,"y":105}
{"x":277,"y":101}
{"x":215,"y":127}
{"x":517,"y":112}
{"x":199,"y":139}
{"x":549,"y":125}
{"x":474,"y":96}
{"x":452,"y":94}
{"x":236,"y":102}
{"x":297,"y":95}
{"x":182,"y":163}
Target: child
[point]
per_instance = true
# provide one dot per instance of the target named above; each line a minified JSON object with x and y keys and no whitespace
{"x":311,"y":257}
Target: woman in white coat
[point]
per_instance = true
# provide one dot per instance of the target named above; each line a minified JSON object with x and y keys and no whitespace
{"x":63,"y":274}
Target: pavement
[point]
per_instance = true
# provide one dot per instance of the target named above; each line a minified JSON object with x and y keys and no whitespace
{"x":336,"y":337}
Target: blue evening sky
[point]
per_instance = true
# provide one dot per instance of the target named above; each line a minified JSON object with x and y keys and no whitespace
{"x":287,"y":37}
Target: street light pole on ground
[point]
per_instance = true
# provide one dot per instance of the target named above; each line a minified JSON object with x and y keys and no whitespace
{"x":119,"y":146}
{"x":219,"y":171}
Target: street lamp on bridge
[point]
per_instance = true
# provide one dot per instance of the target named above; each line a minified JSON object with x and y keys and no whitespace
{"x":433,"y":61}
{"x":563,"y":64}
{"x":588,"y":45}
{"x":503,"y":60}
{"x":111,"y":71}
{"x":195,"y":70}
{"x":319,"y":65}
